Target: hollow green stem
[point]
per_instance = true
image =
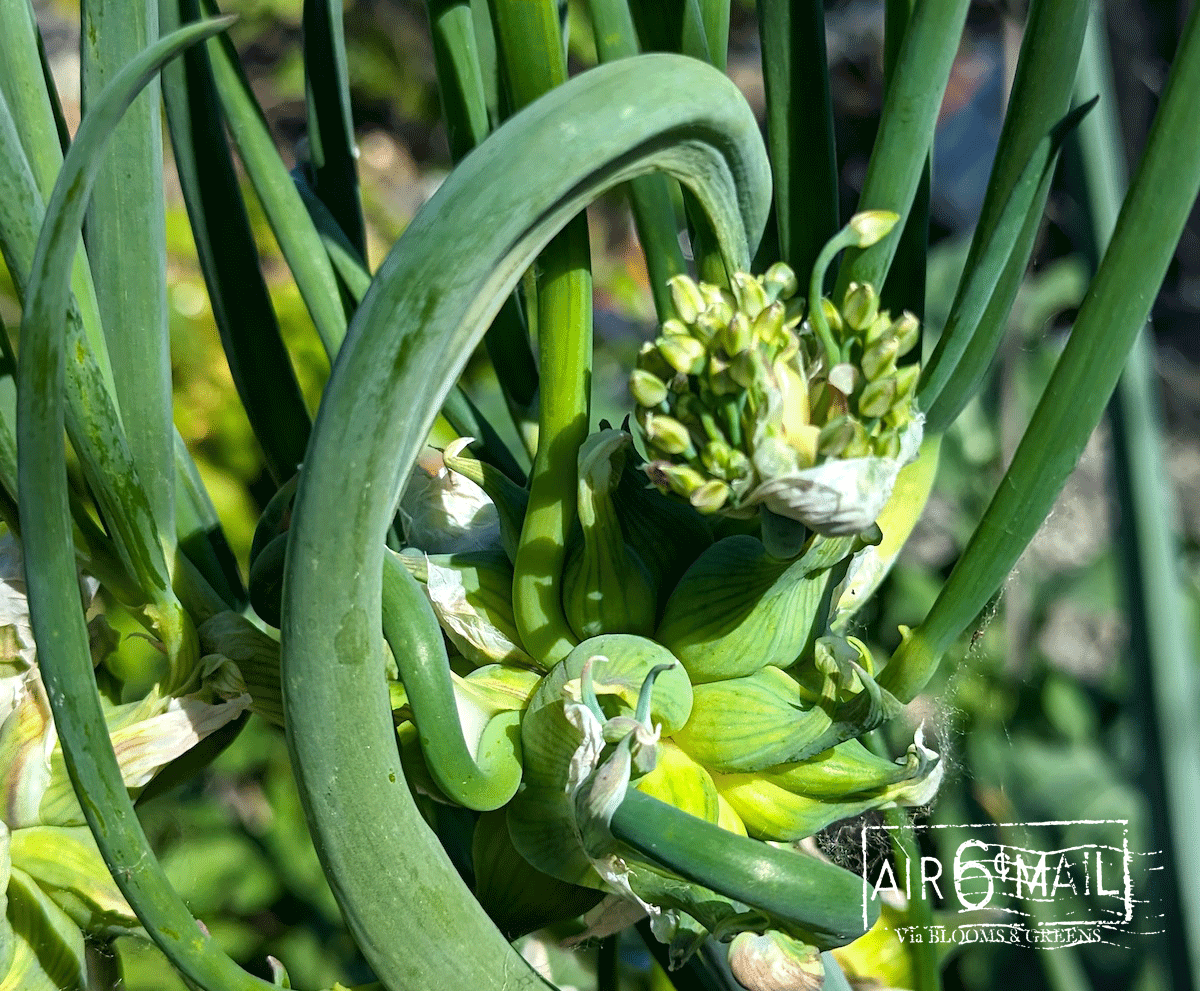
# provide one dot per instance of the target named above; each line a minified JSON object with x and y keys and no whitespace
{"x":1113,"y":312}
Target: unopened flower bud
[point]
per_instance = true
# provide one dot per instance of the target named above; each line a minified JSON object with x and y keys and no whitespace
{"x":833,"y":316}
{"x":880,"y":357}
{"x":907,"y":330}
{"x":877,"y":398}
{"x":879,"y":328}
{"x":769,"y":324}
{"x":906,"y":382}
{"x":860,"y":306}
{"x":710,"y":496}
{"x":738,"y":336}
{"x":647,"y":388}
{"x":780,"y":282}
{"x":719,"y":379}
{"x":887,"y":445}
{"x":667,"y":434}
{"x":750,"y":294}
{"x":684,"y":354}
{"x":775,"y":962}
{"x":685,"y":294}
{"x":835,"y":436}
{"x":707,"y":327}
{"x":681,"y":479}
{"x":872,"y":226}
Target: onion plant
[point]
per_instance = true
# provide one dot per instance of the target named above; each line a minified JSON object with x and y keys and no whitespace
{"x":624,"y":650}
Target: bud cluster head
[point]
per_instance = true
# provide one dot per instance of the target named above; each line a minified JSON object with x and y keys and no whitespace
{"x":736,"y":391}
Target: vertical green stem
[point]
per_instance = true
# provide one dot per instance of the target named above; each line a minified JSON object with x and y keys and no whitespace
{"x":923,"y":954}
{"x":457,"y":54}
{"x":126,"y":232}
{"x":330,"y":124}
{"x":1162,"y":644}
{"x":905,"y":130}
{"x":799,"y":129}
{"x":649,"y":196}
{"x":534,"y":62}
{"x":1113,"y":313}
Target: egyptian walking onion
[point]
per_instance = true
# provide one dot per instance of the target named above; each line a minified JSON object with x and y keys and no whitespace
{"x":706,"y":674}
{"x":634,"y":670}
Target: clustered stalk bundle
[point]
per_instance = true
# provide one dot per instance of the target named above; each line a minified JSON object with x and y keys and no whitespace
{"x":624,"y":651}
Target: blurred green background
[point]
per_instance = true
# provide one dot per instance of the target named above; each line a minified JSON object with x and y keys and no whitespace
{"x":1037,"y":713}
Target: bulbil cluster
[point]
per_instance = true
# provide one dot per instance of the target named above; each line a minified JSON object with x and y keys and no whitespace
{"x":743,"y":388}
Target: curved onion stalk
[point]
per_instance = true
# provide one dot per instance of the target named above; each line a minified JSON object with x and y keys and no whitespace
{"x":481,"y":781}
{"x":52,"y":583}
{"x":429,"y":305}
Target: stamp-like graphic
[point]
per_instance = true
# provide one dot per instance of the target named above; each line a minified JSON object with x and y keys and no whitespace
{"x":1030,"y":889}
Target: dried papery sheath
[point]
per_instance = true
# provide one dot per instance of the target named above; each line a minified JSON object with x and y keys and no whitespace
{"x":775,"y":962}
{"x":443,"y":511}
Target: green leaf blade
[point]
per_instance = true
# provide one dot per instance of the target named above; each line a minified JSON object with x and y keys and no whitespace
{"x":52,"y":582}
{"x":126,"y":231}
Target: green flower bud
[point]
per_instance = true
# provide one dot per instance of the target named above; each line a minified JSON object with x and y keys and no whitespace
{"x":833,"y":316}
{"x":780,"y":282}
{"x":750,"y":294}
{"x":684,"y":354}
{"x":906,"y":382}
{"x":683,"y":480}
{"x":835,"y":436}
{"x":768,"y":325}
{"x":667,"y":433}
{"x":647,"y":388}
{"x":880,"y":357}
{"x":907,"y":330}
{"x":738,"y":335}
{"x":887,"y":445}
{"x":877,"y":398}
{"x":880,"y":327}
{"x":710,"y":496}
{"x":707,"y":327}
{"x":872,"y":226}
{"x":860,"y":306}
{"x":860,"y":445}
{"x":686,"y":297}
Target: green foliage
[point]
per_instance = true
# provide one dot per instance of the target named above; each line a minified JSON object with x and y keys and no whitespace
{"x":634,"y":688}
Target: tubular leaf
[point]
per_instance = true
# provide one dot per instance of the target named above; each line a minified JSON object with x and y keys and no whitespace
{"x":330,"y":126}
{"x":245,"y":318}
{"x":298,"y":238}
{"x":436,"y":292}
{"x":52,"y":583}
{"x":1109,"y":320}
{"x":905,"y":131}
{"x":126,"y":231}
{"x":803,"y":156}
